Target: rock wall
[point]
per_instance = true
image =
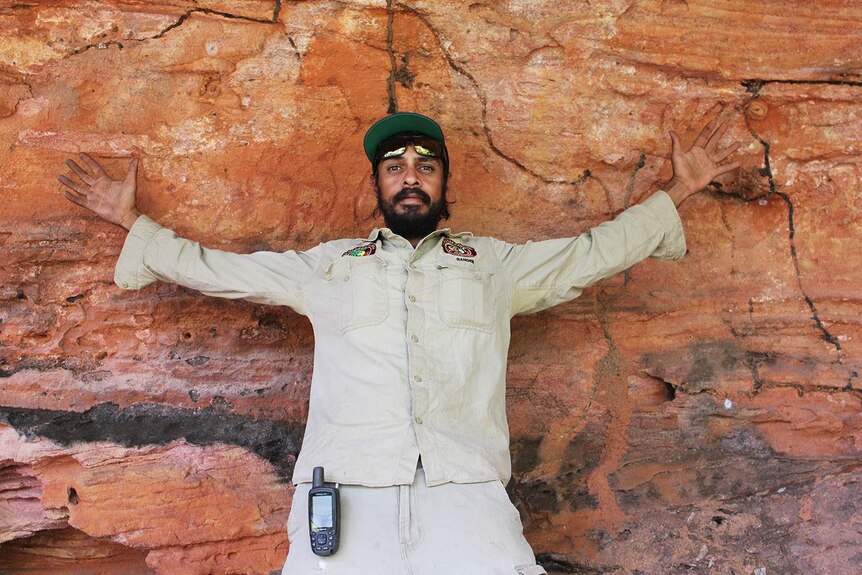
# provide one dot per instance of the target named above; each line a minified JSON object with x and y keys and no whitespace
{"x":701,"y":416}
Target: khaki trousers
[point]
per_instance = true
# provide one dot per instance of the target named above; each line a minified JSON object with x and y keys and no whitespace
{"x":449,"y":529}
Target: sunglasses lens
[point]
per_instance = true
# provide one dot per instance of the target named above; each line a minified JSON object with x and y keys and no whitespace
{"x":396,"y":152}
{"x":397,"y":145}
{"x":423,"y":151}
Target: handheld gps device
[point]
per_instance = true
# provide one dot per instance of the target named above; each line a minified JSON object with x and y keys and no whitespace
{"x":323,"y":516}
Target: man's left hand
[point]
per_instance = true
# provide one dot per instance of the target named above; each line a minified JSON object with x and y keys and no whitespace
{"x":695,"y":168}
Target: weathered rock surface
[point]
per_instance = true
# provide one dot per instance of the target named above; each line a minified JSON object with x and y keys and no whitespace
{"x":701,"y":416}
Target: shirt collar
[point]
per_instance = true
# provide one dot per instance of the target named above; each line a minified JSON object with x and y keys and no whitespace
{"x":387,"y":234}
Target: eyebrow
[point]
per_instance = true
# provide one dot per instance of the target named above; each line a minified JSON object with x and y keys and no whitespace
{"x":420,"y":159}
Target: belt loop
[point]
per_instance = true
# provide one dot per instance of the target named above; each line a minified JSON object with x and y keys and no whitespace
{"x":404,"y":515}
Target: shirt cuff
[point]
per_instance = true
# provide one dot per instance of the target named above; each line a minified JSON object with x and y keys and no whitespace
{"x":128,"y":273}
{"x":672,"y":247}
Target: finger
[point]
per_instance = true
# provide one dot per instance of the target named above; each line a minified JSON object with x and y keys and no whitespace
{"x":705,"y":133}
{"x":715,"y":138}
{"x":73,"y":192}
{"x":94,"y":165}
{"x":132,"y":173}
{"x":80,"y":171}
{"x":723,"y":169}
{"x":674,"y":139}
{"x":79,"y":200}
{"x":720,"y":156}
{"x":81,"y":190}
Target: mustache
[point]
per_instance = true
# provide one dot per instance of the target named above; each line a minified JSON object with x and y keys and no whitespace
{"x":406,"y":192}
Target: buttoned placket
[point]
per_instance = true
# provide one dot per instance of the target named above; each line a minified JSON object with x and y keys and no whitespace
{"x":410,"y":295}
{"x":419,"y":373}
{"x":417,"y":361}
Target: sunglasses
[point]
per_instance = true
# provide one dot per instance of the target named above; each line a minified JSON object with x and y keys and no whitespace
{"x":395,"y":147}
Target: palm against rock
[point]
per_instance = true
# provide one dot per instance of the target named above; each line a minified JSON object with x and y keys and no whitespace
{"x":696,"y":167}
{"x":113,"y":200}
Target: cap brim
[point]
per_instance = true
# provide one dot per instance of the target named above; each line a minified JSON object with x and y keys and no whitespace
{"x":399,"y":122}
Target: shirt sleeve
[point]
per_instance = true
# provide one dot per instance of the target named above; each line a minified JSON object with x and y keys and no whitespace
{"x":546,"y":273}
{"x":152,"y":252}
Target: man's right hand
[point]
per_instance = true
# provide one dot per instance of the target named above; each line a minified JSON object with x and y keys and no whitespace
{"x":112,"y":200}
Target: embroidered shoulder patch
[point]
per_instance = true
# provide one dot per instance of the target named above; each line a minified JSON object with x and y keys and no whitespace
{"x":456,"y":249}
{"x":360,"y":251}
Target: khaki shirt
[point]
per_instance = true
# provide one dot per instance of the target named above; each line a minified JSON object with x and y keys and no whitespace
{"x":410,"y":344}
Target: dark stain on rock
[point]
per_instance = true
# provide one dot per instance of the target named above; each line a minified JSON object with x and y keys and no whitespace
{"x":154,"y":424}
{"x":745,"y":442}
{"x":197,"y":360}
{"x":697,"y":368}
{"x":32,"y":364}
{"x":710,"y":359}
{"x":403,"y":75}
{"x":261,"y":245}
{"x":601,"y":538}
{"x":536,"y":496}
{"x":562,"y":563}
{"x":271,"y":321}
{"x":525,"y":454}
{"x":568,"y":490}
{"x":584,"y":450}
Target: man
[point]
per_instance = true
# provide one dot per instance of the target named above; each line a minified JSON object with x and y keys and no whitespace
{"x":407,"y":409}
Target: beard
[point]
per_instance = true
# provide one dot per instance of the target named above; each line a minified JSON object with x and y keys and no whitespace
{"x":412,"y":222}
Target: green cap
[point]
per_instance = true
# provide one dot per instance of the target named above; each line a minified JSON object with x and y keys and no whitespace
{"x":399,"y":122}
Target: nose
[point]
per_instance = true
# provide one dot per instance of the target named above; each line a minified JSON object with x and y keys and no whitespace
{"x":411,"y":176}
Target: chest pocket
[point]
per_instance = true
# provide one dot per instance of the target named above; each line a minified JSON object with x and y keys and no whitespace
{"x":467,"y":298}
{"x":359,"y":292}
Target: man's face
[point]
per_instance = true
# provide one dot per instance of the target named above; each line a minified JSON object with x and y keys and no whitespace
{"x":410,"y":193}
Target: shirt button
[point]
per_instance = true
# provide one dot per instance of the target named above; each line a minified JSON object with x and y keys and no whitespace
{"x":346,"y":278}
{"x":412,"y":298}
{"x":414,"y":338}
{"x":417,"y":378}
{"x":418,"y":420}
{"x":125,"y":284}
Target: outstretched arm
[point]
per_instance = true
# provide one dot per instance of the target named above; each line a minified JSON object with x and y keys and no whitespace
{"x":152,"y":252}
{"x":549,"y":272}
{"x":695,"y":168}
{"x":112,"y":200}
